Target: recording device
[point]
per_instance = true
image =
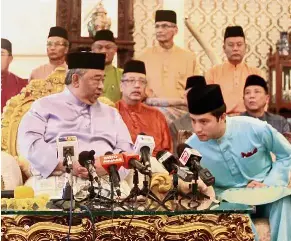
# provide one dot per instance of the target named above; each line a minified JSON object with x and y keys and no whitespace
{"x":171,"y":164}
{"x":111,"y":163}
{"x":144,"y":146}
{"x":87,"y":160}
{"x":68,"y":150}
{"x":131,"y":161}
{"x":191,"y":159}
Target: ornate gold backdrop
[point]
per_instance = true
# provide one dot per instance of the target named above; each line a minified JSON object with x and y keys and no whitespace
{"x":262,"y":20}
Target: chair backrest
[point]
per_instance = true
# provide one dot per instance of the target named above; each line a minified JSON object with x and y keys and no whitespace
{"x":18,"y":105}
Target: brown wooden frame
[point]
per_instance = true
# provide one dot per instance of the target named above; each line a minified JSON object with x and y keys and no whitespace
{"x":278,"y":62}
{"x":69,"y":17}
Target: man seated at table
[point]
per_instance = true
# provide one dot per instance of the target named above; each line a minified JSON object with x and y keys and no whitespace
{"x":237,"y":152}
{"x":74,"y":112}
{"x":184,"y":122}
{"x":256,"y":98}
{"x":139,"y":117}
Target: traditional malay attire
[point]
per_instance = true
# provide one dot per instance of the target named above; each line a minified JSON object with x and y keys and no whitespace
{"x":168,"y":69}
{"x":11,"y":84}
{"x":97,"y":127}
{"x":43,"y":71}
{"x":242,"y":155}
{"x":112,"y":73}
{"x":277,"y":121}
{"x":142,"y":118}
{"x":231,"y":78}
{"x":184,"y":122}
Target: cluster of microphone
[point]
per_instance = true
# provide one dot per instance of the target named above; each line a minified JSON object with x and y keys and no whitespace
{"x":187,"y":166}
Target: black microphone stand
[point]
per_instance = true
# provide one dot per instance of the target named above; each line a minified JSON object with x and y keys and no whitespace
{"x":195,"y":196}
{"x":145,"y":191}
{"x":67,"y":197}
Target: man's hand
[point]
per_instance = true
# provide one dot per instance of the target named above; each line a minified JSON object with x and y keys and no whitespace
{"x":253,"y":184}
{"x":79,"y":171}
{"x":99,"y":169}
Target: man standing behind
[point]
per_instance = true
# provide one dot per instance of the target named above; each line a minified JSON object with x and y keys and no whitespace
{"x":104,"y":42}
{"x":57,"y":49}
{"x":11,"y":84}
{"x":137,"y":116}
{"x":168,"y":66}
{"x":231,"y":75}
{"x":255,"y":100}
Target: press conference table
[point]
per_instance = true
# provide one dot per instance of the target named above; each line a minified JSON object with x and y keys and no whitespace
{"x":224,"y":222}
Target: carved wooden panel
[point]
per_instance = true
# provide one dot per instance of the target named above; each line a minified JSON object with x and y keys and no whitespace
{"x":69,"y":17}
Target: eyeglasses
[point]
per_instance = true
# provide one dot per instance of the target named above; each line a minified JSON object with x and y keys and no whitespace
{"x":164,"y":26}
{"x":134,"y":81}
{"x":55,"y":44}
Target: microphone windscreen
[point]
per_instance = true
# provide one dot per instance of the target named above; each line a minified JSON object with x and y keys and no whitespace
{"x":181,"y":147}
{"x":160,"y":154}
{"x":108,"y":153}
{"x":84,"y":156}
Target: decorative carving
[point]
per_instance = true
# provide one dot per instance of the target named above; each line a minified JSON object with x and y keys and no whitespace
{"x":18,"y":105}
{"x":234,"y":227}
{"x":69,"y":17}
{"x":99,"y":20}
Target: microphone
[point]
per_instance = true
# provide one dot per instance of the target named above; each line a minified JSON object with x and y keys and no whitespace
{"x":111,"y":163}
{"x":131,"y":161}
{"x":144,"y":146}
{"x":67,"y":149}
{"x":87,"y":160}
{"x":191,"y":158}
{"x":171,"y":164}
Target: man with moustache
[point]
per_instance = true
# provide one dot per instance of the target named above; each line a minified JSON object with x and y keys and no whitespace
{"x":256,"y":98}
{"x":57,"y":49}
{"x":167,"y":65}
{"x":137,"y":116}
{"x":104,"y":42}
{"x":74,"y":112}
{"x":232,"y":74}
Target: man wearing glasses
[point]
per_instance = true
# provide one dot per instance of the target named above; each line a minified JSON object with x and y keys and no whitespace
{"x":168,"y":66}
{"x":57,"y":49}
{"x":104,"y":43}
{"x":137,"y":116}
{"x":10,"y":83}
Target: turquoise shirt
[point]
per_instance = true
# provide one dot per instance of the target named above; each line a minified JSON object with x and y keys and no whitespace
{"x":112,"y":83}
{"x":224,"y":156}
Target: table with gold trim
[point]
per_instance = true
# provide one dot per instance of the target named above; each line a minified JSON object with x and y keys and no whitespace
{"x":227,"y":222}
